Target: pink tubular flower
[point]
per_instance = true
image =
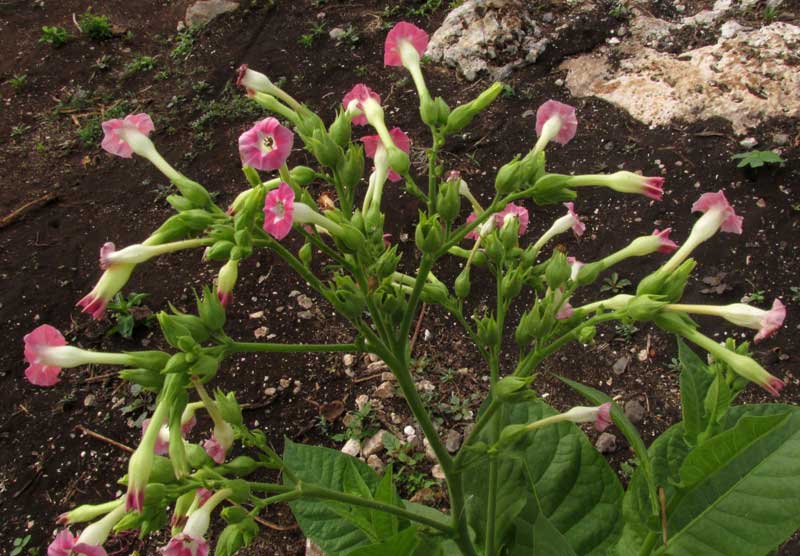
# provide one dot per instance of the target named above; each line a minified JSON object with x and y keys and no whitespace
{"x":266,"y":145}
{"x":474,"y":234}
{"x":578,"y":227}
{"x":603,"y":420}
{"x":565,"y":311}
{"x":771,"y":321}
{"x":113,"y":140}
{"x":66,"y":544}
{"x":359,"y":93}
{"x":105,"y":251}
{"x":561,"y":117}
{"x":667,"y":245}
{"x":278,"y":211}
{"x":188,"y":425}
{"x":203,"y":494}
{"x":36,"y":342}
{"x":716,"y":201}
{"x":403,"y":32}
{"x":162,"y":441}
{"x":111,"y":282}
{"x":184,"y":544}
{"x":214,"y":449}
{"x":575,"y":267}
{"x":512,"y":209}
{"x":373,"y":142}
{"x":653,"y":187}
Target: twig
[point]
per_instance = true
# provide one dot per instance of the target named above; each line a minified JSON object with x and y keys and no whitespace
{"x":105,"y":439}
{"x":100,"y":377}
{"x":370,"y":377}
{"x":416,"y":329}
{"x":16,"y":214}
{"x":662,"y":499}
{"x":75,"y":21}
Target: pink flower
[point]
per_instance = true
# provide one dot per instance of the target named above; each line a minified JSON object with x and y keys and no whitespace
{"x":162,"y":440}
{"x":403,"y":32}
{"x":188,"y":425}
{"x":36,"y":343}
{"x":266,"y":145}
{"x":475,"y":233}
{"x":360,"y":93}
{"x":562,"y":115}
{"x":214,"y":449}
{"x":652,"y":187}
{"x":65,"y":544}
{"x":717,"y":201}
{"x":105,"y":251}
{"x":603,"y":420}
{"x":114,"y":142}
{"x":278,"y":210}
{"x":111,"y":282}
{"x":565,"y":311}
{"x":773,"y":385}
{"x":512,"y":209}
{"x":771,"y":321}
{"x":575,"y":267}
{"x":203,"y":494}
{"x":373,"y":142}
{"x":185,"y":545}
{"x":578,"y":227}
{"x":667,"y":245}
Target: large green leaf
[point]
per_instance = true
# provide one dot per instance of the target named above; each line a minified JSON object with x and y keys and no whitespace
{"x":540,"y":540}
{"x":695,"y":381}
{"x":401,"y":544}
{"x":559,"y":474}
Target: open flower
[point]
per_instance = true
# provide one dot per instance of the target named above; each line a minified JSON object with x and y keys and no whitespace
{"x":214,"y":449}
{"x":278,"y":211}
{"x":111,"y":282}
{"x":556,"y":121}
{"x":575,"y":267}
{"x":120,"y":134}
{"x":191,"y":541}
{"x":666,"y":245}
{"x":372,"y":143}
{"x":162,"y":440}
{"x":511,"y":210}
{"x":266,"y":145}
{"x":717,"y":204}
{"x":402,"y":41}
{"x":354,"y":100}
{"x":184,"y":544}
{"x":90,"y":541}
{"x":600,"y":415}
{"x":577,"y":226}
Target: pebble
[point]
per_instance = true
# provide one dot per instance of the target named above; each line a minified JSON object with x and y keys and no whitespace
{"x":384,"y":390}
{"x":352,"y":447}
{"x":559,"y":82}
{"x":621,"y":364}
{"x":304,"y":301}
{"x":529,"y":113}
{"x":375,"y":463}
{"x":305,"y":315}
{"x":548,"y":17}
{"x":362,"y":401}
{"x":348,"y":359}
{"x":437,"y":472}
{"x":337,"y":33}
{"x":89,"y":400}
{"x":452,"y":441}
{"x":260,"y":332}
{"x":780,"y":139}
{"x":606,"y":443}
{"x":748,"y":143}
{"x":429,"y":453}
{"x":634,"y":411}
{"x":373,"y":445}
{"x":270,"y":391}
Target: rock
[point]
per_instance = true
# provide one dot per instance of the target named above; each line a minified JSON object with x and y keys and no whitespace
{"x":548,"y":17}
{"x":634,"y":411}
{"x":361,"y":401}
{"x":748,"y":143}
{"x":204,"y":11}
{"x":425,"y":385}
{"x":377,"y":366}
{"x":373,"y":445}
{"x":422,"y":496}
{"x":284,"y":383}
{"x":606,"y":443}
{"x":780,"y":139}
{"x":529,"y":113}
{"x":348,"y":359}
{"x":270,"y":391}
{"x":384,"y":390}
{"x":257,"y":315}
{"x":337,"y":33}
{"x":305,"y":315}
{"x":437,"y":472}
{"x":730,"y":28}
{"x":388,"y":377}
{"x":304,"y":301}
{"x":746,"y":78}
{"x":452,"y":441}
{"x":352,"y":447}
{"x":621,"y":364}
{"x":375,"y":463}
{"x":429,"y":453}
{"x":89,"y":400}
{"x":312,"y":549}
{"x":261,"y":331}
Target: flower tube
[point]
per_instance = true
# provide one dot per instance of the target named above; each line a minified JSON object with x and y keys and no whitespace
{"x":599,"y":415}
{"x":141,"y":463}
{"x":616,"y":303}
{"x":766,"y":322}
{"x":161,"y":447}
{"x":87,"y":512}
{"x":222,"y":437}
{"x":657,"y":242}
{"x":47,"y":352}
{"x":374,"y":149}
{"x":256,"y":81}
{"x":90,"y":541}
{"x":563,"y":224}
{"x":191,"y":541}
{"x":226,"y":280}
{"x":405,"y":45}
{"x":140,"y":252}
{"x":623,"y":182}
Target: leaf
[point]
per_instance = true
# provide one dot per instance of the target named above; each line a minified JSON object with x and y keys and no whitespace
{"x":540,"y":540}
{"x":566,"y":479}
{"x":695,"y":381}
{"x":385,"y":524}
{"x":756,"y":159}
{"x":401,"y":544}
{"x":718,"y":399}
{"x":749,"y":500}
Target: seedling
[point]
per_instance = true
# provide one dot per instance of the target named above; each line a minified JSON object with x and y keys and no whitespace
{"x":614,"y":283}
{"x":19,"y":131}
{"x":126,"y":319}
{"x":757,"y":159}
{"x":18,"y":81}
{"x":307,"y":40}
{"x":96,"y":27}
{"x":795,"y":293}
{"x":139,"y":64}
{"x":54,"y":36}
{"x":625,"y":330}
{"x":19,"y":544}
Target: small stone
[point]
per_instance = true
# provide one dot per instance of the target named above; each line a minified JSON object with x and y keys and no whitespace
{"x":270,"y":391}
{"x":384,"y":390}
{"x":422,"y":496}
{"x":284,"y":383}
{"x":634,"y":411}
{"x":425,"y":386}
{"x":352,"y":447}
{"x":410,"y":432}
{"x":748,"y":143}
{"x":429,"y":453}
{"x":606,"y":443}
{"x":362,"y":401}
{"x":261,"y":331}
{"x":377,"y":366}
{"x":387,"y":377}
{"x":780,"y":139}
{"x":559,"y":82}
{"x":621,"y":364}
{"x":348,"y":359}
{"x":304,"y":301}
{"x":730,"y":28}
{"x":257,"y":315}
{"x":337,"y":33}
{"x":305,"y":315}
{"x":548,"y":17}
{"x":613,"y":40}
{"x":375,"y":463}
{"x":89,"y":400}
{"x":204,"y":11}
{"x":529,"y":113}
{"x":373,"y":445}
{"x":437,"y":472}
{"x":452,"y":441}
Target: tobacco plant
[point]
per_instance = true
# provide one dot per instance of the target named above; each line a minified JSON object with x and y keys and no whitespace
{"x":725,"y":480}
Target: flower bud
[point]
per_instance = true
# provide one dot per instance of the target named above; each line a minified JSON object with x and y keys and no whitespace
{"x":509,"y":233}
{"x":210,"y":310}
{"x":302,"y":175}
{"x":461,"y":116}
{"x":509,"y":388}
{"x":509,"y":177}
{"x":586,"y":334}
{"x":147,"y":378}
{"x":448,"y":201}
{"x":240,"y":466}
{"x":558,"y":270}
{"x":511,"y":284}
{"x":176,"y":364}
{"x":428,"y":235}
{"x":304,"y":254}
{"x":351,"y":166}
{"x":153,"y":360}
{"x":644,"y":307}
{"x":205,"y":367}
{"x":528,"y":328}
{"x":676,"y":283}
{"x":219,"y":251}
{"x":193,"y":191}
{"x":386,"y":263}
{"x":172,"y":329}
{"x":462,"y":284}
{"x":196,"y":220}
{"x":435,"y":294}
{"x":341,"y":129}
{"x":589,"y":273}
{"x":488,"y":333}
{"x":179,"y":202}
{"x":324,"y":149}
{"x":550,"y":188}
{"x":398,"y":160}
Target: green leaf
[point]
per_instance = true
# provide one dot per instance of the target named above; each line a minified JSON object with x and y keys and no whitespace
{"x":718,"y":399}
{"x":401,"y":544}
{"x":322,"y":521}
{"x":385,"y":524}
{"x":749,"y":500}
{"x":540,"y":540}
{"x":695,"y":381}
{"x":566,"y":479}
{"x":756,"y":159}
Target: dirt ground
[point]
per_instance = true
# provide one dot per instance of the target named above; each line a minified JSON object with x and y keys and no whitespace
{"x":72,"y":197}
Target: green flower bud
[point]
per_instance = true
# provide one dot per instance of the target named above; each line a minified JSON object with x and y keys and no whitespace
{"x":192,"y":323}
{"x":341,"y":129}
{"x":509,"y":177}
{"x":251,"y":175}
{"x":511,"y":433}
{"x":309,"y":122}
{"x":448,"y":201}
{"x":509,"y":387}
{"x":240,"y":488}
{"x":462,"y":115}
{"x":398,"y":160}
{"x":176,"y":364}
{"x":172,"y":229}
{"x":550,"y":188}
{"x":240,"y":466}
{"x":558,"y":270}
{"x":644,"y":307}
{"x":589,"y":273}
{"x":509,"y":233}
{"x":528,"y":328}
{"x":219,"y":251}
{"x":462,"y":284}
{"x":302,"y":175}
{"x":162,"y":472}
{"x":193,"y":191}
{"x":172,"y":329}
{"x":428,"y":235}
{"x":428,"y":111}
{"x":148,"y":378}
{"x":228,"y":407}
{"x":386,"y":263}
{"x":488,"y":333}
{"x":205,"y":367}
{"x":304,"y":254}
{"x":198,"y":458}
{"x":351,"y":237}
{"x":435,"y":294}
{"x":494,"y":248}
{"x":210,"y":310}
{"x":179,"y":202}
{"x":676,"y":283}
{"x":196,"y":220}
{"x":326,"y":151}
{"x":351,"y":166}
{"x":511,"y":284}
{"x":586,"y":334}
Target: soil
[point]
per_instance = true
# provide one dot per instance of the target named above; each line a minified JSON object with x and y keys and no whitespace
{"x":48,"y":256}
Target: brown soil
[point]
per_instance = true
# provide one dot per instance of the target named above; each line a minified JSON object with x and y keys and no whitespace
{"x":48,"y":257}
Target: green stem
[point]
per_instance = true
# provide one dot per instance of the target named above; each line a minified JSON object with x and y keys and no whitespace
{"x":649,"y":543}
{"x":492,"y":506}
{"x":263,"y":347}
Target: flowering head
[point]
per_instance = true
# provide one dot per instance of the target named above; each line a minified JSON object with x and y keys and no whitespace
{"x":510,"y":211}
{"x":253,"y":80}
{"x":266,"y":145}
{"x":278,"y":211}
{"x":106,"y":251}
{"x":771,"y":320}
{"x":403,"y":42}
{"x":185,"y":544}
{"x":577,"y":226}
{"x":42,"y":339}
{"x":62,"y":545}
{"x":718,"y":204}
{"x":565,"y":311}
{"x":373,"y":142}
{"x":354,"y":100}
{"x":556,"y":121}
{"x":121,"y":136}
{"x":111,"y":282}
{"x":599,"y":415}
{"x":666,"y":245}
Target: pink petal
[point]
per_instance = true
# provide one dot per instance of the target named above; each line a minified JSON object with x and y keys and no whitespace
{"x":107,"y":249}
{"x":278,"y":211}
{"x":42,"y":375}
{"x":403,"y":31}
{"x":62,"y":544}
{"x":42,"y":336}
{"x":565,"y":113}
{"x":113,"y":143}
{"x":85,"y":549}
{"x":253,"y":151}
{"x":187,"y":427}
{"x":653,"y":188}
{"x":772,"y":321}
{"x":371,"y":143}
{"x":92,"y":304}
{"x":214,"y":449}
{"x":667,"y":245}
{"x":361,"y":93}
{"x":203,"y":494}
{"x":474,"y":233}
{"x":184,"y":544}
{"x":578,"y":227}
{"x":134,"y":500}
{"x":225,"y":298}
{"x":519,"y":211}
{"x":732,"y":222}
{"x":140,"y":121}
{"x":565,"y":312}
{"x":603,"y":417}
{"x":774,"y":386}
{"x":401,"y":140}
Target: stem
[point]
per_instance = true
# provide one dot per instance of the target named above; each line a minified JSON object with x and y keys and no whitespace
{"x":649,"y":543}
{"x":263,"y":347}
{"x":492,"y":508}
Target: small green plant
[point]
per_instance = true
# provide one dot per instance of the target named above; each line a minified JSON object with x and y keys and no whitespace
{"x":406,"y":458}
{"x":19,"y":544}
{"x":96,"y":27}
{"x":139,"y":64}
{"x":756,"y":296}
{"x":795,"y":293}
{"x":625,"y":330}
{"x":426,"y":9}
{"x":54,"y":36}
{"x":770,"y":14}
{"x":361,"y":71}
{"x":19,"y":131}
{"x":360,"y":426}
{"x":18,"y":81}
{"x":614,"y":283}
{"x":162,"y":75}
{"x":120,"y":310}
{"x":90,"y":131}
{"x":619,"y":10}
{"x":509,"y":91}
{"x":307,"y":40}
{"x":350,"y":37}
{"x":756,"y":159}
{"x":184,"y":43}
{"x":103,"y":63}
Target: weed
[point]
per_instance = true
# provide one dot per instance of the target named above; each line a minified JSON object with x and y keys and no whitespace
{"x":18,"y":81}
{"x":360,"y":426}
{"x":403,"y":454}
{"x":756,"y":159}
{"x":184,"y":43}
{"x":628,"y":468}
{"x":625,"y":330}
{"x":448,"y":375}
{"x":163,"y":75}
{"x":361,"y":71}
{"x":426,"y":9}
{"x":91,"y":131}
{"x":125,"y":320}
{"x":19,"y":131}
{"x":230,"y":106}
{"x":40,"y":148}
{"x":19,"y":545}
{"x":54,"y":36}
{"x":614,"y":283}
{"x":508,"y":91}
{"x":795,"y":293}
{"x":459,"y":409}
{"x":770,"y":14}
{"x":96,"y":27}
{"x":756,"y":297}
{"x":310,"y":38}
{"x":201,"y":87}
{"x":140,"y":63}
{"x":674,"y":365}
{"x":103,"y":63}
{"x":619,"y":10}
{"x":350,"y":37}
